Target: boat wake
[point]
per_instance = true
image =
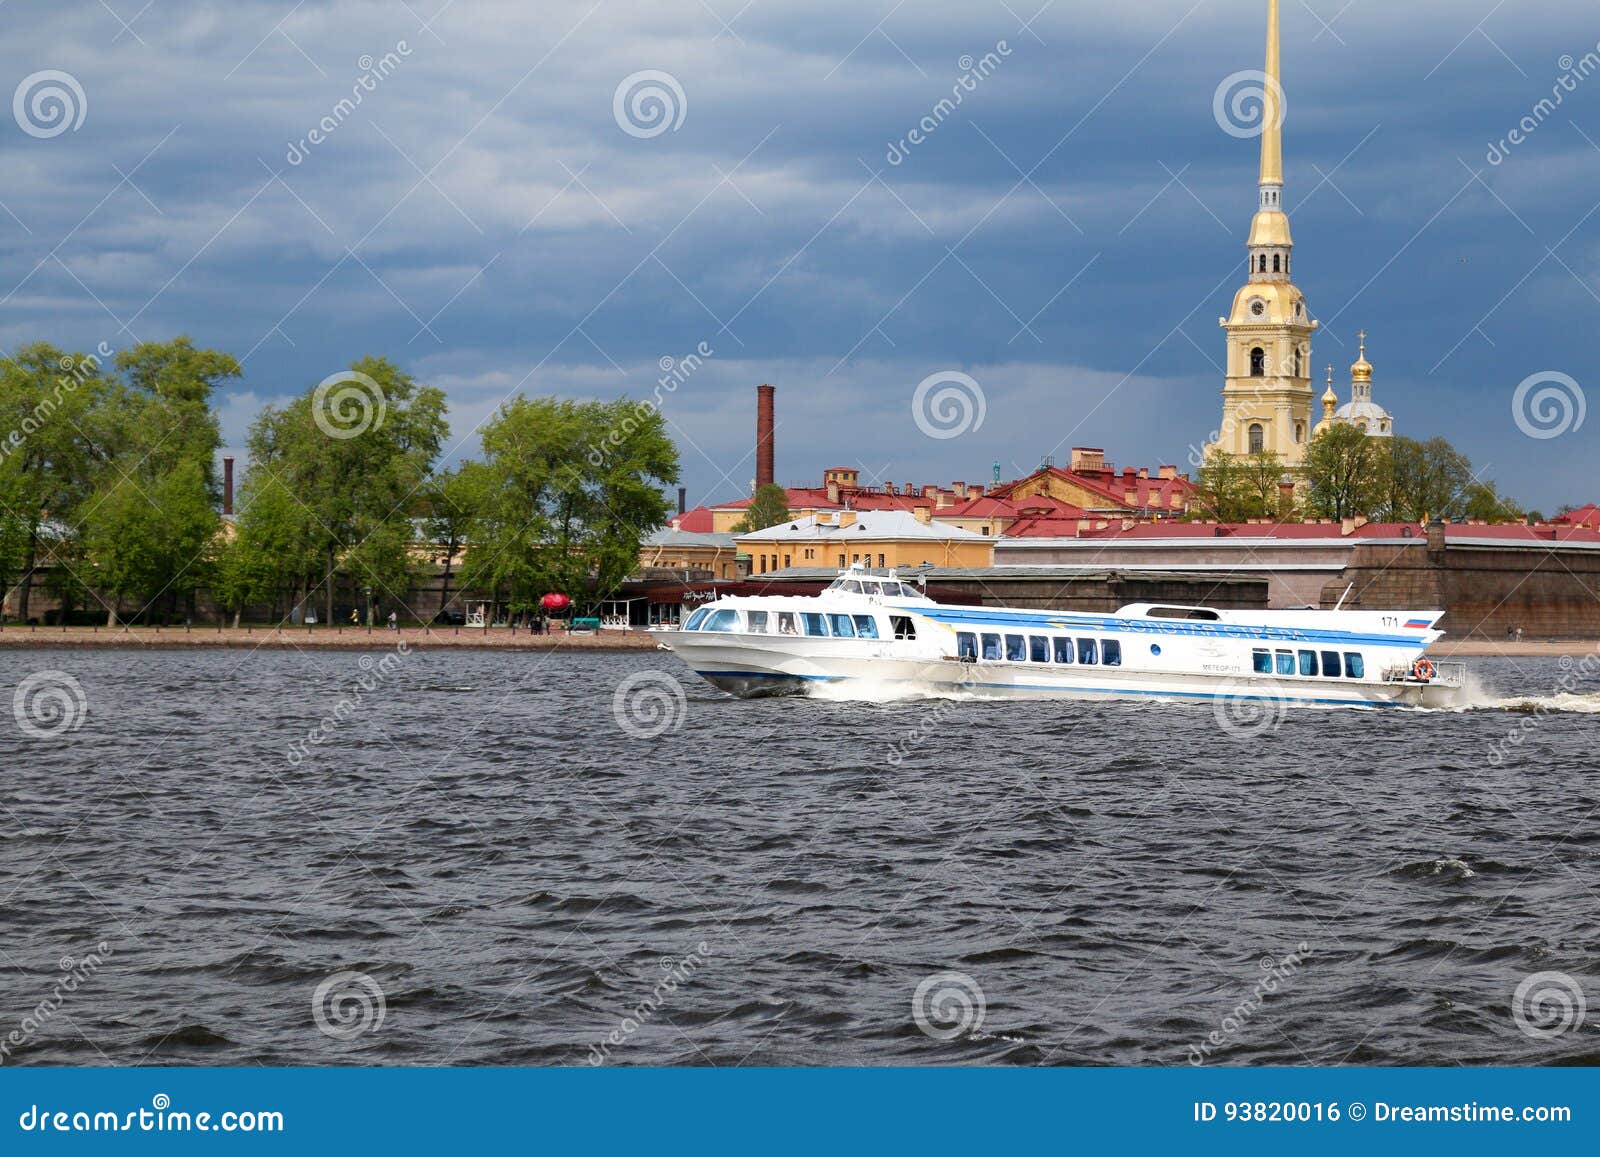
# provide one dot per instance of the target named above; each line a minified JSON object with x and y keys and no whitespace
{"x":864,"y":690}
{"x":1562,"y":704}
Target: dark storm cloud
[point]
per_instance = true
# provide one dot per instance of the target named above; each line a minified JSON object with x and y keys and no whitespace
{"x":480,"y":215}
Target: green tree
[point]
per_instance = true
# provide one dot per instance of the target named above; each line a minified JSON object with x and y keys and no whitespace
{"x":1347,"y":473}
{"x":1484,"y":501}
{"x":171,"y":386}
{"x":450,"y":500}
{"x":769,"y":507}
{"x":49,"y":456}
{"x":13,"y":531}
{"x":356,"y":455}
{"x":568,"y":491}
{"x":143,"y":540}
{"x":148,"y":533}
{"x":1425,"y":479}
{"x":269,"y":551}
{"x":1234,"y":489}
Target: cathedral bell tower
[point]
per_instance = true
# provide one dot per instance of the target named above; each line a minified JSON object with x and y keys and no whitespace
{"x":1267,"y":398}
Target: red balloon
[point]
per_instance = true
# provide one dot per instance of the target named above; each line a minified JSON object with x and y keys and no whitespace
{"x":555,"y":601}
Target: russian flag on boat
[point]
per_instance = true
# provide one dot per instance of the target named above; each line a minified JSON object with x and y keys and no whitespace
{"x":1418,"y":625}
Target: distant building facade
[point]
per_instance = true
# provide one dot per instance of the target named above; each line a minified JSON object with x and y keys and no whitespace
{"x":878,"y":539}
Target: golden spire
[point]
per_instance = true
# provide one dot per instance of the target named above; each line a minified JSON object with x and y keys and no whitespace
{"x":1329,"y":398}
{"x":1361,"y":372}
{"x":1272,"y":105}
{"x":1270,"y":229}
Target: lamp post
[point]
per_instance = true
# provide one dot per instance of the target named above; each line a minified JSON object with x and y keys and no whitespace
{"x":367,"y":590}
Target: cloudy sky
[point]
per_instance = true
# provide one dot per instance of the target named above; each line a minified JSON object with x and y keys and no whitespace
{"x":495,"y":216}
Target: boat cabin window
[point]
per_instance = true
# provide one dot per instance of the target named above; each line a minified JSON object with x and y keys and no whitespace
{"x":1330,"y":665}
{"x":966,"y":645}
{"x":1111,"y":652}
{"x":722,"y":621}
{"x":853,"y":587}
{"x":1016,"y":649}
{"x":1086,"y":652}
{"x":1198,"y":614}
{"x":815,"y":624}
{"x":842,"y":626}
{"x":696,"y":619}
{"x":1262,"y":662}
{"x":1308,"y":663}
{"x":904,"y":628}
{"x":866,"y":627}
{"x":786,"y":623}
{"x":758,"y":622}
{"x":1063,"y":649}
{"x":991,"y":648}
{"x":1286,"y":662}
{"x":1038,"y":649}
{"x":1355,"y":666}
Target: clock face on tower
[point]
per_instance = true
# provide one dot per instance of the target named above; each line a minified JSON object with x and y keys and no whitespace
{"x":1258,"y":308}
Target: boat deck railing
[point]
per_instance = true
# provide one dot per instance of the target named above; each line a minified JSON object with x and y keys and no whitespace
{"x":1444,"y":675}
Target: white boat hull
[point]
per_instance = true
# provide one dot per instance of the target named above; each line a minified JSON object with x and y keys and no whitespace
{"x":856,"y":644}
{"x":802,"y":667}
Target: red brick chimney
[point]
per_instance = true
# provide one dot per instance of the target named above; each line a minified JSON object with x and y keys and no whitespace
{"x":764,"y":474}
{"x":227,"y":486}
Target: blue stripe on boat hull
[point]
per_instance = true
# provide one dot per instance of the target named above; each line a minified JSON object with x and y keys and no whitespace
{"x":1183,"y":629}
{"x":799,"y":681}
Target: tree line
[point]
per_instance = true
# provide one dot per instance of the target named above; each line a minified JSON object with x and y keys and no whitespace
{"x":110,"y":498}
{"x":1348,"y":474}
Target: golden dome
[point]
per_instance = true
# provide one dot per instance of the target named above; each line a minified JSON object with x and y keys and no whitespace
{"x":1270,"y":228}
{"x":1330,"y":400}
{"x":1362,"y":370}
{"x":1280,"y":304}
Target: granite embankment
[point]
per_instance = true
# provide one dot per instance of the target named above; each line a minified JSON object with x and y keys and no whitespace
{"x":304,"y":638}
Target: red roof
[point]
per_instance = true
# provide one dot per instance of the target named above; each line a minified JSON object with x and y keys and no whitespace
{"x":1583,"y":516}
{"x":1148,"y":491}
{"x":1045,"y":528}
{"x":1511,"y":532}
{"x":696,"y":521}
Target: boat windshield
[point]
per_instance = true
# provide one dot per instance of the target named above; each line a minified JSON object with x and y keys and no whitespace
{"x":886,"y":588}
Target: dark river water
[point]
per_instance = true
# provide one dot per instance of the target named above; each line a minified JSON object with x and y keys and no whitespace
{"x":240,"y":858}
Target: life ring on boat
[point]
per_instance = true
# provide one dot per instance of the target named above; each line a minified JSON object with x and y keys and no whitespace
{"x":1423,"y":670}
